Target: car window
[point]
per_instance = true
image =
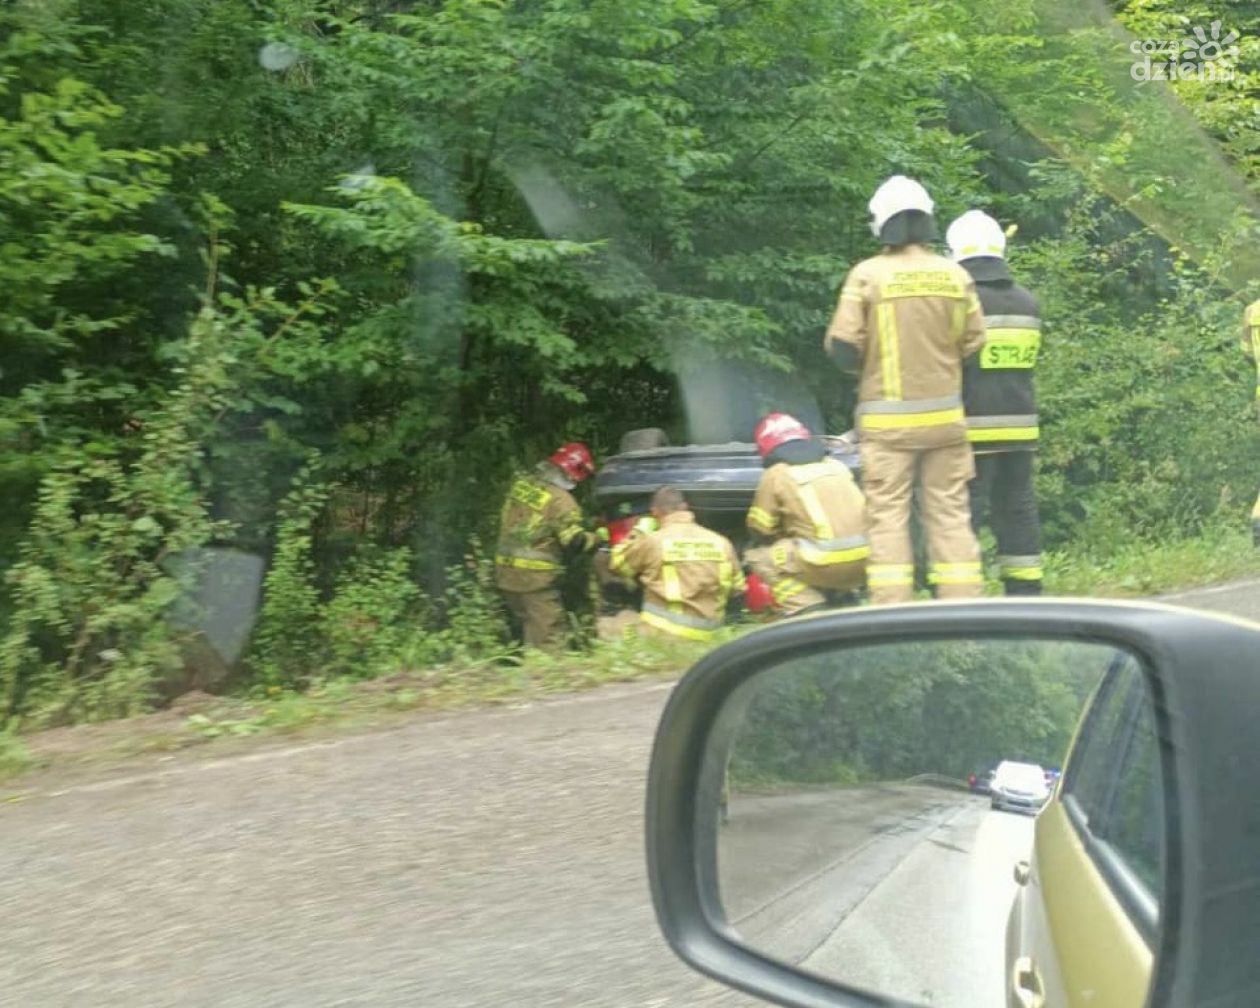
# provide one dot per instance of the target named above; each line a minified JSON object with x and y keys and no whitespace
{"x":1113,"y":787}
{"x":1022,"y":775}
{"x":1134,"y":826}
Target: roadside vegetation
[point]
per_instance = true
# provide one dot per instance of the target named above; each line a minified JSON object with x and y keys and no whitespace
{"x":278,"y":332}
{"x":892,"y":712}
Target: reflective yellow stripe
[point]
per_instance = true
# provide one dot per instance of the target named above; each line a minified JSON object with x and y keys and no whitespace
{"x":661,"y":623}
{"x":889,"y":350}
{"x":779,"y":555}
{"x":825,"y":558}
{"x":525,"y":563}
{"x":982,"y":434}
{"x":814,"y":508}
{"x":726,"y":579}
{"x":1255,"y":511}
{"x":787,"y":588}
{"x":762,"y":520}
{"x":1022,"y":573}
{"x":889,"y":421}
{"x":960,"y":321}
{"x":617,"y":562}
{"x":955,"y":573}
{"x":890,"y":574}
{"x":569,"y":533}
{"x":673,"y":587}
{"x":850,"y":296}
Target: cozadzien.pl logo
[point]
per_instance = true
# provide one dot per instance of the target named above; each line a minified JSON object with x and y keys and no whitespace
{"x":1207,"y":54}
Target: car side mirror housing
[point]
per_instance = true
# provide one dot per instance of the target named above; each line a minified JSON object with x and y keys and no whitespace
{"x":816,"y":836}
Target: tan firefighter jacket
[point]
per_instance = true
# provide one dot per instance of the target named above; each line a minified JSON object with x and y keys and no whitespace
{"x":819,"y":505}
{"x":1251,"y":340}
{"x":538,"y":522}
{"x":911,"y":316}
{"x":688,"y":573}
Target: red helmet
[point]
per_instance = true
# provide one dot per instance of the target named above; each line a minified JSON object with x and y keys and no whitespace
{"x":777,"y":428}
{"x":574,"y":460}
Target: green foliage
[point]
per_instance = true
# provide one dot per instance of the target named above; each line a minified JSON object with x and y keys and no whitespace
{"x":87,"y":635}
{"x":536,"y":224}
{"x":475,"y":624}
{"x":14,"y":756}
{"x":102,"y":564}
{"x":371,"y":615}
{"x":894,"y":711}
{"x":286,"y":645}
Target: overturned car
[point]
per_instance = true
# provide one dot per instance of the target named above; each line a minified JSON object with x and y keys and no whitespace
{"x":718,"y":480}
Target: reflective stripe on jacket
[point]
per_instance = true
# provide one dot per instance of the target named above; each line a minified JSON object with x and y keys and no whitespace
{"x":538,"y":520}
{"x":912,"y":316}
{"x":819,"y":505}
{"x":688,"y":573}
{"x":998,"y":386}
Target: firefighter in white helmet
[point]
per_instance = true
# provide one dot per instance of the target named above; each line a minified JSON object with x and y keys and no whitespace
{"x":1000,"y":401}
{"x":905,"y":320}
{"x":1251,"y":347}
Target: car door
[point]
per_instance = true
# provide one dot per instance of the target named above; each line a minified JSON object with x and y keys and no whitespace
{"x":1085,"y":923}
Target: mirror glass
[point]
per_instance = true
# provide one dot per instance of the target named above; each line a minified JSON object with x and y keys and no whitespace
{"x":904,"y":818}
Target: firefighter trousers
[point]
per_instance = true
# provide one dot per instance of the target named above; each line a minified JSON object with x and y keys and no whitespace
{"x":889,"y":475}
{"x":1002,"y":496}
{"x":795,"y":585}
{"x":541,"y":615}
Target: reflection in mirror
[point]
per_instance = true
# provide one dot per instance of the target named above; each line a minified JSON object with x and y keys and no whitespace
{"x":875,"y":811}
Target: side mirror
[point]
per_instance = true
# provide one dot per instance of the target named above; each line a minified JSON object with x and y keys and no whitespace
{"x":816,"y":836}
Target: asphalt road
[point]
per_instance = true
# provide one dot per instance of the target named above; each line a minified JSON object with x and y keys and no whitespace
{"x":900,"y":889}
{"x":933,"y":930}
{"x":490,"y":858}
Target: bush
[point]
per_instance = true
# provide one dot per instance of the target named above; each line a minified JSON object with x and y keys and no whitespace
{"x":372,"y":615}
{"x":287,"y":645}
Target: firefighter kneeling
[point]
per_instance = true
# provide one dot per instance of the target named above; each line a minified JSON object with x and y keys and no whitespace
{"x":688,"y":572}
{"x":810,"y":506}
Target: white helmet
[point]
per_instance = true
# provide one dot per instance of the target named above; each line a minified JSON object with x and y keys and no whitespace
{"x":975,"y":234}
{"x":894,"y":196}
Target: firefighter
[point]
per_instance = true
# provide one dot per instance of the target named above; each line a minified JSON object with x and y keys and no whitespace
{"x":1251,"y":347}
{"x":1000,"y":402}
{"x":689,"y":573}
{"x":811,"y":508}
{"x":905,"y":320}
{"x":540,"y":530}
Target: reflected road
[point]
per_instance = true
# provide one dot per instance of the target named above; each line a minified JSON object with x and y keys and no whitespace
{"x":900,"y":889}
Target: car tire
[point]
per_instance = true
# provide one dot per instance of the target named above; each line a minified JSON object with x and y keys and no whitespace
{"x":643,"y":439}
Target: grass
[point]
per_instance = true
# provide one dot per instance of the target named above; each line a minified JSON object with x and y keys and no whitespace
{"x":350,"y":704}
{"x":1130,"y":569}
{"x":1125,"y":569}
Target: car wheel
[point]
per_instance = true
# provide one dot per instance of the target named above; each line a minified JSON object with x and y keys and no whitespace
{"x":643,"y":439}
